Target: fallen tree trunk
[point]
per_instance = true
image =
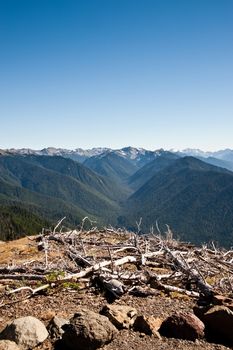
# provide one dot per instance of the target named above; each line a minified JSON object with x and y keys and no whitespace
{"x":98,"y":266}
{"x":204,"y":287}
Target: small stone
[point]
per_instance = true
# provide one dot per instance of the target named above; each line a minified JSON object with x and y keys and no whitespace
{"x":122,"y":316}
{"x":47,"y":315}
{"x":148,"y":325}
{"x":55,"y":327}
{"x":183,"y":325}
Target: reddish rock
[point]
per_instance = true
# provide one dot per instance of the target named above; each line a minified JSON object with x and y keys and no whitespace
{"x":183,"y":325}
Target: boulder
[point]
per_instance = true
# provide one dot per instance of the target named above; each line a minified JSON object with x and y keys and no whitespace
{"x":219,"y":323}
{"x":27,"y":332}
{"x":88,"y":331}
{"x":8,"y":345}
{"x":55,"y":327}
{"x":122,"y":316}
{"x":182,"y":325}
{"x":149,"y":325}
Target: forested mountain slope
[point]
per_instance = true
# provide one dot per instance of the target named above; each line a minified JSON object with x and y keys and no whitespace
{"x":194,"y":198}
{"x":145,"y":173}
{"x":53,"y":187}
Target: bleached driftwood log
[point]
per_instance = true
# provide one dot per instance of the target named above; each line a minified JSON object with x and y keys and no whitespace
{"x":98,"y":266}
{"x":172,"y":266}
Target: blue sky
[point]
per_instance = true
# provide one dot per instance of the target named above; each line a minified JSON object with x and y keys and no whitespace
{"x":148,"y":73}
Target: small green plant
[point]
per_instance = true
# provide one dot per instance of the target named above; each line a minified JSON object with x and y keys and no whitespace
{"x":71,"y":285}
{"x":55,"y":276}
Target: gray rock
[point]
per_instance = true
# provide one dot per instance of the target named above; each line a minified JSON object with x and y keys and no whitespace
{"x":88,"y":331}
{"x":183,"y":325}
{"x":8,"y":345}
{"x":122,"y":316}
{"x":55,"y":327}
{"x":27,"y":332}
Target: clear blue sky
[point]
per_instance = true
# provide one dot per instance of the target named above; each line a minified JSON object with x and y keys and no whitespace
{"x":146,"y":73}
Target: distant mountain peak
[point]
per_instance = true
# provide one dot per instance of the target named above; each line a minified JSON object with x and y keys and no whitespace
{"x":131,"y":152}
{"x":135,"y":154}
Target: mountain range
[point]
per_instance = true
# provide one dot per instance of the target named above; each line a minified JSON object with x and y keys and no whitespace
{"x":191,"y":191}
{"x":81,"y":155}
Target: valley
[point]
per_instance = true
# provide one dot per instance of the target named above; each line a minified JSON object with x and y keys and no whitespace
{"x":191,"y":192}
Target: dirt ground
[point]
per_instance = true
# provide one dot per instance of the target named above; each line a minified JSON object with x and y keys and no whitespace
{"x":65,"y":302}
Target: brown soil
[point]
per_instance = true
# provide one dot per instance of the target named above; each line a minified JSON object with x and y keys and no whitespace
{"x":65,"y":303}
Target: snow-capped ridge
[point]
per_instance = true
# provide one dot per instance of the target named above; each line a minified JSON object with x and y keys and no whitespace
{"x":138,"y":155}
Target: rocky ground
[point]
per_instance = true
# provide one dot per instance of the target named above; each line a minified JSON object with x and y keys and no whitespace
{"x":65,"y":304}
{"x":65,"y":300}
